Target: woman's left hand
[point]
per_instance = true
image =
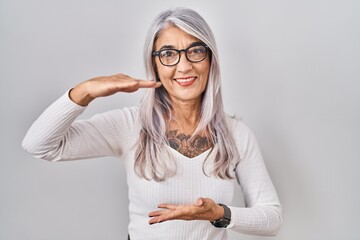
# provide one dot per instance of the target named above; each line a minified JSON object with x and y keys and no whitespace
{"x":201,"y":209}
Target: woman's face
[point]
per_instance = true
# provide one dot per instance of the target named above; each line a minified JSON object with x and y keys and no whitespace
{"x":186,"y":81}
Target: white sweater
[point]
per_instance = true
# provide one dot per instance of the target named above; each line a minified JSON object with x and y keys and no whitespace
{"x":56,"y":135}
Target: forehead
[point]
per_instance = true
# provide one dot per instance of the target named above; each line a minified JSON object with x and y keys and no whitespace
{"x":174,"y":36}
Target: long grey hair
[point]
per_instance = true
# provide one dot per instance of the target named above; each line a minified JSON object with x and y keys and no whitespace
{"x":153,"y":159}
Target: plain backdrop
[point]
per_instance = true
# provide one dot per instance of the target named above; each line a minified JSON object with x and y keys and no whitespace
{"x":290,"y":70}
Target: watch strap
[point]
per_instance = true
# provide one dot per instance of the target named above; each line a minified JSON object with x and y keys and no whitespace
{"x":225,"y":220}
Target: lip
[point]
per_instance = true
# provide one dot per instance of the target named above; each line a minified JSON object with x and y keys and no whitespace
{"x":185,"y":81}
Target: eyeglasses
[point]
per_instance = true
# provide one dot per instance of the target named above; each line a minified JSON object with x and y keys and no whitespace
{"x":171,"y":57}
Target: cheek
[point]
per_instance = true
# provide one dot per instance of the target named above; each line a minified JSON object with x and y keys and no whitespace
{"x":205,"y":71}
{"x":164,"y":73}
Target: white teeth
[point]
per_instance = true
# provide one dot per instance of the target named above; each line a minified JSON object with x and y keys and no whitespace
{"x":184,"y":80}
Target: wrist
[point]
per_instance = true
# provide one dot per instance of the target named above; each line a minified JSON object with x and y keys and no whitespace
{"x":225,"y":219}
{"x":80,"y":96}
{"x":219,"y":212}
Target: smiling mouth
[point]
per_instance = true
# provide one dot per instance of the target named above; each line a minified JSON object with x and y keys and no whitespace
{"x":185,"y":80}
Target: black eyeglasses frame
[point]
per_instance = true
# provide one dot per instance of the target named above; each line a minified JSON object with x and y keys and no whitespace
{"x":157,"y":53}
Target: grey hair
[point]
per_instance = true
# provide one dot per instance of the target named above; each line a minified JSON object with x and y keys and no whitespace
{"x":153,"y":159}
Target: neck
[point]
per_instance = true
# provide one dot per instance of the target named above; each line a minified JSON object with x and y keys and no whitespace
{"x":185,"y":115}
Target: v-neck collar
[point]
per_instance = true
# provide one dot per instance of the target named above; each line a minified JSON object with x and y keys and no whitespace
{"x":200,"y":156}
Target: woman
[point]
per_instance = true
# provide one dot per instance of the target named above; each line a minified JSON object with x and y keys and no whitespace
{"x":181,"y":152}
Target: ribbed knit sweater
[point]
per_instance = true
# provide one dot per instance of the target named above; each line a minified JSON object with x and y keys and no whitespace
{"x":57,"y":136}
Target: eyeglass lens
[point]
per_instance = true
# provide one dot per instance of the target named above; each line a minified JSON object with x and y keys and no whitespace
{"x":171,"y":57}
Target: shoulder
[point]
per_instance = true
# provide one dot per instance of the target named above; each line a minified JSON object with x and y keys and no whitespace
{"x":238,"y":127}
{"x":244,"y":137}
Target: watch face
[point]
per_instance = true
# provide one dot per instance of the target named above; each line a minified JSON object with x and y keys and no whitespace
{"x":222,"y":223}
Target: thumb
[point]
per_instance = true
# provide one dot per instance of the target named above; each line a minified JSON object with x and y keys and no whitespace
{"x":199,"y":202}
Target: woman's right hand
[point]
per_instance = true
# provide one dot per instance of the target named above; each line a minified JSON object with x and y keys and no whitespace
{"x":87,"y":91}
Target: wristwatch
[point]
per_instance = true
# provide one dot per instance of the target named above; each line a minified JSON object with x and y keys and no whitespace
{"x":225,"y":220}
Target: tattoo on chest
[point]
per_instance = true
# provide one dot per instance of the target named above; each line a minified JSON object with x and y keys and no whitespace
{"x":189,"y":147}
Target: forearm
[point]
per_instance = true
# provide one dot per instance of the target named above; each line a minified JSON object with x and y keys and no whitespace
{"x":259,"y":220}
{"x":47,"y":132}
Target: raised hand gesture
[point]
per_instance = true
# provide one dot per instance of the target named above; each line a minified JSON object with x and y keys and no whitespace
{"x":104,"y":86}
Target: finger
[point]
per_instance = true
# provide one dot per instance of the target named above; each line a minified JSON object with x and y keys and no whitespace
{"x":167,"y":206}
{"x":158,"y":84}
{"x":157,"y":213}
{"x":154,"y":220}
{"x":160,"y":216}
{"x":164,"y":216}
{"x":148,"y":84}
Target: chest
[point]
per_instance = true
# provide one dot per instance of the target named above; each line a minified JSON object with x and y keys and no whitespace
{"x":185,"y":187}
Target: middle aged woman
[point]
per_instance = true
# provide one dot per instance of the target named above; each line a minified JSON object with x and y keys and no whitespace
{"x":182,"y":153}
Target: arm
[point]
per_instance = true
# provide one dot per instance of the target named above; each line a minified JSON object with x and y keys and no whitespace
{"x":262,"y":214}
{"x":55,"y":135}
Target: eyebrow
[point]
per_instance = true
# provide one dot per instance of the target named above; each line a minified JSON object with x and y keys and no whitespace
{"x":166,"y":47}
{"x":173,"y":47}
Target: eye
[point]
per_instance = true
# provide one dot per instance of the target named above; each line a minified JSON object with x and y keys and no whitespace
{"x":168,"y":53}
{"x":197,"y":50}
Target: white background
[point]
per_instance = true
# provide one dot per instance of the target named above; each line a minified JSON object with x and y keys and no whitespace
{"x":290,"y":70}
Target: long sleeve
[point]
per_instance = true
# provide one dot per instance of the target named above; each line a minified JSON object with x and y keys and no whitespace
{"x":262,"y":214}
{"x":57,"y":135}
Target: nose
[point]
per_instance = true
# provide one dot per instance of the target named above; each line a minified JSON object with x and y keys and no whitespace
{"x":184,"y":64}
